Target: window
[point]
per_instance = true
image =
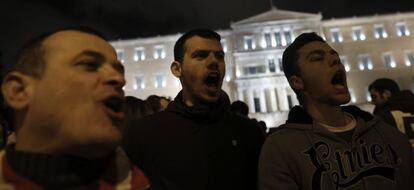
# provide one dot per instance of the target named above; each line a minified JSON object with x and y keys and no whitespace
{"x":268,"y":39}
{"x":278,"y":39}
{"x":257,"y":105}
{"x":288,"y":37}
{"x":357,"y":33}
{"x":139,"y":82}
{"x":409,"y":58}
{"x":280,"y":62}
{"x":272,"y":67}
{"x":368,"y":96}
{"x":290,"y":101}
{"x":365,"y":62}
{"x":159,"y":52}
{"x":159,"y":81}
{"x":379,"y":31}
{"x":344,"y":61}
{"x":224,"y":45}
{"x":402,"y":29}
{"x":249,"y":43}
{"x":227,"y":78}
{"x":139,"y":54}
{"x":352,"y":93}
{"x":252,"y":70}
{"x":389,"y":61}
{"x":336,"y":35}
{"x":120,"y":55}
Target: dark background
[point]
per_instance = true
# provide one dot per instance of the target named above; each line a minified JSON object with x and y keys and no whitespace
{"x":126,"y":19}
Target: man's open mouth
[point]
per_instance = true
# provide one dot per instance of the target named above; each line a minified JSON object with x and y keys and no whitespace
{"x":212,"y":79}
{"x":115,"y":104}
{"x":339,"y":78}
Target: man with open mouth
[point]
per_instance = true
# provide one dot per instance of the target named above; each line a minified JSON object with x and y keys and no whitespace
{"x":196,"y":143}
{"x":324,"y":145}
{"x":65,"y":101}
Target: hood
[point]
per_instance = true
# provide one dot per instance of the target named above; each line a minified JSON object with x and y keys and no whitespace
{"x":299,"y":119}
{"x":206,"y":113}
{"x":298,"y":114}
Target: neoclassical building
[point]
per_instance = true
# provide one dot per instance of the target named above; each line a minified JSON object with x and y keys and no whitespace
{"x":370,"y":47}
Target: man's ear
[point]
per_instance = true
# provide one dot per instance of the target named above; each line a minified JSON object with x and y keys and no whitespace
{"x":17,"y":89}
{"x":176,"y":69}
{"x":296,"y":83}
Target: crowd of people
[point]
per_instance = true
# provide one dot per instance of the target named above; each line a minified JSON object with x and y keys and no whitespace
{"x":67,"y":124}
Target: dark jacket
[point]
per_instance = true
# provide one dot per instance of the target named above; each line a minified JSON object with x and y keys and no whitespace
{"x":304,"y":155}
{"x":398,"y":111}
{"x":40,"y":171}
{"x":196,"y":148}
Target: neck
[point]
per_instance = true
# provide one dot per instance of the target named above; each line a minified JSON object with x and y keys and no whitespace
{"x":326,"y":114}
{"x":187,"y":99}
{"x":29,"y":141}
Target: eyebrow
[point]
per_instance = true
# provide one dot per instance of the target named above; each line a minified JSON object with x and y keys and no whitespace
{"x":205,"y":51}
{"x":321,"y":52}
{"x":91,"y":53}
{"x":100,"y":57}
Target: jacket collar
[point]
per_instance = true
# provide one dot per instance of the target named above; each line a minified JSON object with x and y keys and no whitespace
{"x":200,"y":112}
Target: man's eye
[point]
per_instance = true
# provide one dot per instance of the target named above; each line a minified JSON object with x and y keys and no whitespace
{"x":90,"y":65}
{"x":316,"y":58}
{"x":220,"y":55}
{"x":201,"y":55}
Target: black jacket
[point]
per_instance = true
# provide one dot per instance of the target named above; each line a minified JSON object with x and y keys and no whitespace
{"x":196,"y":148}
{"x":398,"y":111}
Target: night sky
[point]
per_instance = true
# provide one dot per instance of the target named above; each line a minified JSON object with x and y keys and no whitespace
{"x":125,"y":19}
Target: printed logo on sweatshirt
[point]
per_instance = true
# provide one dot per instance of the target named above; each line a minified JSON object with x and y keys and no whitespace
{"x":405,"y":123}
{"x":346,"y":167}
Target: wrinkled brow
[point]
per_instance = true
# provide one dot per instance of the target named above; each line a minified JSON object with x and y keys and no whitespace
{"x":320,"y":52}
{"x":101,"y":58}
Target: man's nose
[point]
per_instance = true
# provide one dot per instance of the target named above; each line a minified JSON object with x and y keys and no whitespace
{"x":335,"y":60}
{"x":115,"y":78}
{"x":213,"y":62}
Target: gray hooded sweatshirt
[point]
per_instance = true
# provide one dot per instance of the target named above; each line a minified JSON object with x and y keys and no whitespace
{"x":304,"y":155}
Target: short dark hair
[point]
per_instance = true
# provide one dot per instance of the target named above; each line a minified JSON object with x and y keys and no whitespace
{"x":154,"y":101}
{"x":30,"y":58}
{"x":382,"y":84}
{"x":137,"y":108}
{"x":239,"y":107}
{"x":202,"y":32}
{"x":291,"y":56}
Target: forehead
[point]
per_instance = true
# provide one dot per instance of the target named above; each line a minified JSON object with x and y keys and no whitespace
{"x":200,"y":43}
{"x":72,"y":42}
{"x":373,"y":91}
{"x":312,"y":46}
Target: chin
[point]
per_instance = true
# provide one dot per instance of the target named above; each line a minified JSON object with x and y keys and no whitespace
{"x":108,"y":137}
{"x":210,"y":99}
{"x":342,"y":100}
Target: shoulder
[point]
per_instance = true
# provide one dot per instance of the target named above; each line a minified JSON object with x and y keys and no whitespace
{"x":391,"y":134}
{"x":287,"y":133}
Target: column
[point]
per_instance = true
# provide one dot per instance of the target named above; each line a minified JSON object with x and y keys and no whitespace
{"x":262,"y":98}
{"x":282,"y":97}
{"x":295,"y":100}
{"x":250,"y":100}
{"x":272,"y":100}
{"x":240,"y":95}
